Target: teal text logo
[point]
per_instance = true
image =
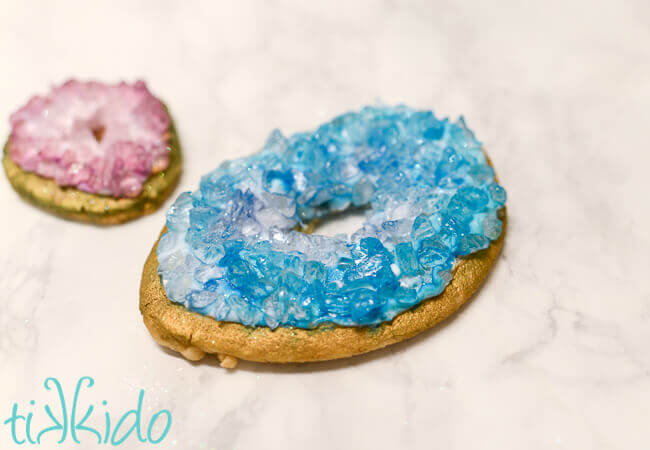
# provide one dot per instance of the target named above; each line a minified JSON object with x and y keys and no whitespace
{"x":67,"y":420}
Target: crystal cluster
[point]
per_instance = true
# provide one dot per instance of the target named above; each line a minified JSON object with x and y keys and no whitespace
{"x":232,"y":250}
{"x":101,"y":139}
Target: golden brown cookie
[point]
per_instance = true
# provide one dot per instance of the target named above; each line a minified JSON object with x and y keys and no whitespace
{"x":74,"y":204}
{"x":193,"y":335}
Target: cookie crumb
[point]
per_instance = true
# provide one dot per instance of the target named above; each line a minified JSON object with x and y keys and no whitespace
{"x":227,"y":361}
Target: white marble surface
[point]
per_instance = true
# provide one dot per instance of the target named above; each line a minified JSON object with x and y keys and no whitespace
{"x":554,"y":352}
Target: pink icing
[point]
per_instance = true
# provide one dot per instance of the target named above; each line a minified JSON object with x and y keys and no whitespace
{"x":100,"y":138}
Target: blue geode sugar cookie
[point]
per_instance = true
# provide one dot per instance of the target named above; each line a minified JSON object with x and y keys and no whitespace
{"x":233,"y":251}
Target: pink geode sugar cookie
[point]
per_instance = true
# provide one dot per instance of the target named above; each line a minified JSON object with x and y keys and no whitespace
{"x":94,"y":152}
{"x":99,"y":138}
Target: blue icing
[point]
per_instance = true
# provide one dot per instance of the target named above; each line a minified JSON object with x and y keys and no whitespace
{"x":232,"y":251}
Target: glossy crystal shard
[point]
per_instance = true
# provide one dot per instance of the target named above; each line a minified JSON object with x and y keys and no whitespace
{"x":232,"y":250}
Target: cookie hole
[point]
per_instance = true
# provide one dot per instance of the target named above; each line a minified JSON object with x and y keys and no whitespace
{"x":346,"y":222}
{"x":98,"y":132}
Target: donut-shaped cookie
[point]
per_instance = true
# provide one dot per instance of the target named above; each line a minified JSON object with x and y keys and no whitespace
{"x":94,"y":152}
{"x":234,"y":275}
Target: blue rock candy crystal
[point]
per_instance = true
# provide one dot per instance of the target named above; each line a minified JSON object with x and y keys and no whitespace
{"x":232,"y":252}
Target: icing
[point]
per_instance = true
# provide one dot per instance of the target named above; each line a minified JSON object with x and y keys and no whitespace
{"x":232,"y":251}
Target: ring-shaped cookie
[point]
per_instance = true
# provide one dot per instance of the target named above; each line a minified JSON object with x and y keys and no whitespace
{"x":231,"y":251}
{"x":94,"y":153}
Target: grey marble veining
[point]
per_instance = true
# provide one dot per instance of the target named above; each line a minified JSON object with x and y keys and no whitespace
{"x":554,"y":350}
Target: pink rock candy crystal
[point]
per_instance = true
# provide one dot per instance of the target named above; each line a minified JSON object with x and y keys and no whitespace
{"x":99,"y":138}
